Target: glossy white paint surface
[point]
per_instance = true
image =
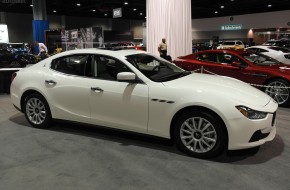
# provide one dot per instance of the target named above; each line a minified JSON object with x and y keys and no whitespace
{"x":278,"y":55}
{"x":131,"y":107}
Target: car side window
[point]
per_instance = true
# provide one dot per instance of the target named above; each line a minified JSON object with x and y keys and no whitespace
{"x":79,"y":65}
{"x":208,"y":57}
{"x":263,"y":51}
{"x":224,"y":58}
{"x":107,"y":68}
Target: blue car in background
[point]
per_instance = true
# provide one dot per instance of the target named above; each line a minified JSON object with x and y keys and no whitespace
{"x":15,"y":55}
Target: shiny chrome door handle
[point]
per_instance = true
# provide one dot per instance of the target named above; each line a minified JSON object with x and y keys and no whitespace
{"x":97,"y":89}
{"x":50,"y":82}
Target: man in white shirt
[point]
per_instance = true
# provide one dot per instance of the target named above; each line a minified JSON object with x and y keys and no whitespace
{"x":42,"y":49}
{"x":162,"y":48}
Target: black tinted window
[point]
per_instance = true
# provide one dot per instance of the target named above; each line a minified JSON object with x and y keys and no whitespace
{"x":108,"y":68}
{"x":73,"y":65}
{"x":206,"y":57}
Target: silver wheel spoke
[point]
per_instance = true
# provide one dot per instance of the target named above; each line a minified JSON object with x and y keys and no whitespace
{"x":210,"y":139}
{"x":203,"y":141}
{"x":186,"y":137}
{"x":205,"y":127}
{"x":208,"y":133}
{"x":186,"y":131}
{"x":189,"y":142}
{"x":200,"y":123}
{"x":193,"y":123}
{"x":188,"y":126}
{"x":201,"y":147}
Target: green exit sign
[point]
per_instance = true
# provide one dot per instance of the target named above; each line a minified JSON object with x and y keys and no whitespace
{"x":232,"y":27}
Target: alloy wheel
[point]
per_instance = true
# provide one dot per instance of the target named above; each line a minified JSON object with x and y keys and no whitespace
{"x":278,"y":90}
{"x":198,"y":135}
{"x":35,"y":111}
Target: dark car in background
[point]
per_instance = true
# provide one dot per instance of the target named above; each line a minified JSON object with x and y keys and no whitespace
{"x":259,"y":70}
{"x":15,"y":55}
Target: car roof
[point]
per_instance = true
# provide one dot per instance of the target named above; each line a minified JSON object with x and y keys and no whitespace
{"x":239,"y":51}
{"x":113,"y":53}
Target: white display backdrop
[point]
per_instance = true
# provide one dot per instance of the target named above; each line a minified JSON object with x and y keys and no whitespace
{"x":4,"y":38}
{"x":170,"y":19}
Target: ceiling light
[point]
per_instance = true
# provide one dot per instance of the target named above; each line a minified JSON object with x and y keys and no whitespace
{"x":31,"y":5}
{"x":106,"y":14}
{"x":78,"y":4}
{"x":94,"y":10}
{"x":222,"y":7}
{"x":141,"y":14}
{"x":216,"y":12}
{"x":126,"y":3}
{"x":54,"y":11}
{"x":232,"y":0}
{"x":269,"y":5}
{"x":134,"y":9}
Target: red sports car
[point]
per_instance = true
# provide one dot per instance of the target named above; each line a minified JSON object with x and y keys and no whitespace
{"x":259,"y":70}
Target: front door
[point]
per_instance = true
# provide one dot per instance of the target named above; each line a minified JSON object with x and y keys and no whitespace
{"x":117,"y":104}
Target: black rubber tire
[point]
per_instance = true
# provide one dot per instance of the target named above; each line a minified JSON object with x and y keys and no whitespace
{"x":47,"y":120}
{"x":287,"y":102}
{"x":221,"y":134}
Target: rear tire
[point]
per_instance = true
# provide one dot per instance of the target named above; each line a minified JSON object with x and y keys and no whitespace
{"x":279,"y":90}
{"x":200,"y":134}
{"x":37,"y":111}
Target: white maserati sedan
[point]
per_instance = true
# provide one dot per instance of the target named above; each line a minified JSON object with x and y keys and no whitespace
{"x":136,"y":91}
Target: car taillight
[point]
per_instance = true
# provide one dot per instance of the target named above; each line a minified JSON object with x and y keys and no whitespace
{"x":13,"y":76}
{"x":287,"y":56}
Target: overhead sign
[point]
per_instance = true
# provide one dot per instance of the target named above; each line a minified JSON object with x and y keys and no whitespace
{"x":117,"y":13}
{"x":232,"y":27}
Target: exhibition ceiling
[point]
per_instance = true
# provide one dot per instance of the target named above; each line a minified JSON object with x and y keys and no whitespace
{"x":136,"y":9}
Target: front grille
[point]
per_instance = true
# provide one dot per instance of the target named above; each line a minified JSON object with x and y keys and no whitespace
{"x":258,"y":135}
{"x":273,"y":119}
{"x":287,"y":56}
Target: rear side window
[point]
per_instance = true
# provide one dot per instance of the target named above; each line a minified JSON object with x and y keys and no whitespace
{"x":206,"y":57}
{"x":72,"y":65}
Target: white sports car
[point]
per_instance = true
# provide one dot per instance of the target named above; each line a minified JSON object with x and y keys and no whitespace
{"x":136,"y":91}
{"x":279,"y":53}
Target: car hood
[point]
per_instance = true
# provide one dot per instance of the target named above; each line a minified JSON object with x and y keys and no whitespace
{"x":230,"y":88}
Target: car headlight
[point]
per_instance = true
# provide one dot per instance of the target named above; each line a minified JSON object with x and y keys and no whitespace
{"x":250,"y":113}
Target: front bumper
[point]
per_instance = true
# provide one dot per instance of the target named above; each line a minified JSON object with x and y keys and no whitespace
{"x":245,"y":133}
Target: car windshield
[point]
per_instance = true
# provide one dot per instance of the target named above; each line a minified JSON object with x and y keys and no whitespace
{"x":156,"y":69}
{"x":259,"y":59}
{"x":228,"y":43}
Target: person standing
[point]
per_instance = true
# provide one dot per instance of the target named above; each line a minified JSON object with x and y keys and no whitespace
{"x":42,"y":50}
{"x":162,"y":48}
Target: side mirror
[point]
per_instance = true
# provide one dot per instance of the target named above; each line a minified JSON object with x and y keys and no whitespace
{"x":236,"y":64}
{"x":127,"y":77}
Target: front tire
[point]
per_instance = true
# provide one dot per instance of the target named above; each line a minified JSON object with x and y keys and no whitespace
{"x":200,"y":134}
{"x":279,"y":90}
{"x":37,"y":111}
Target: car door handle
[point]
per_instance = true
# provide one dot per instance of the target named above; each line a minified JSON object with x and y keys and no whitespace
{"x":97,"y":89}
{"x":50,"y":82}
